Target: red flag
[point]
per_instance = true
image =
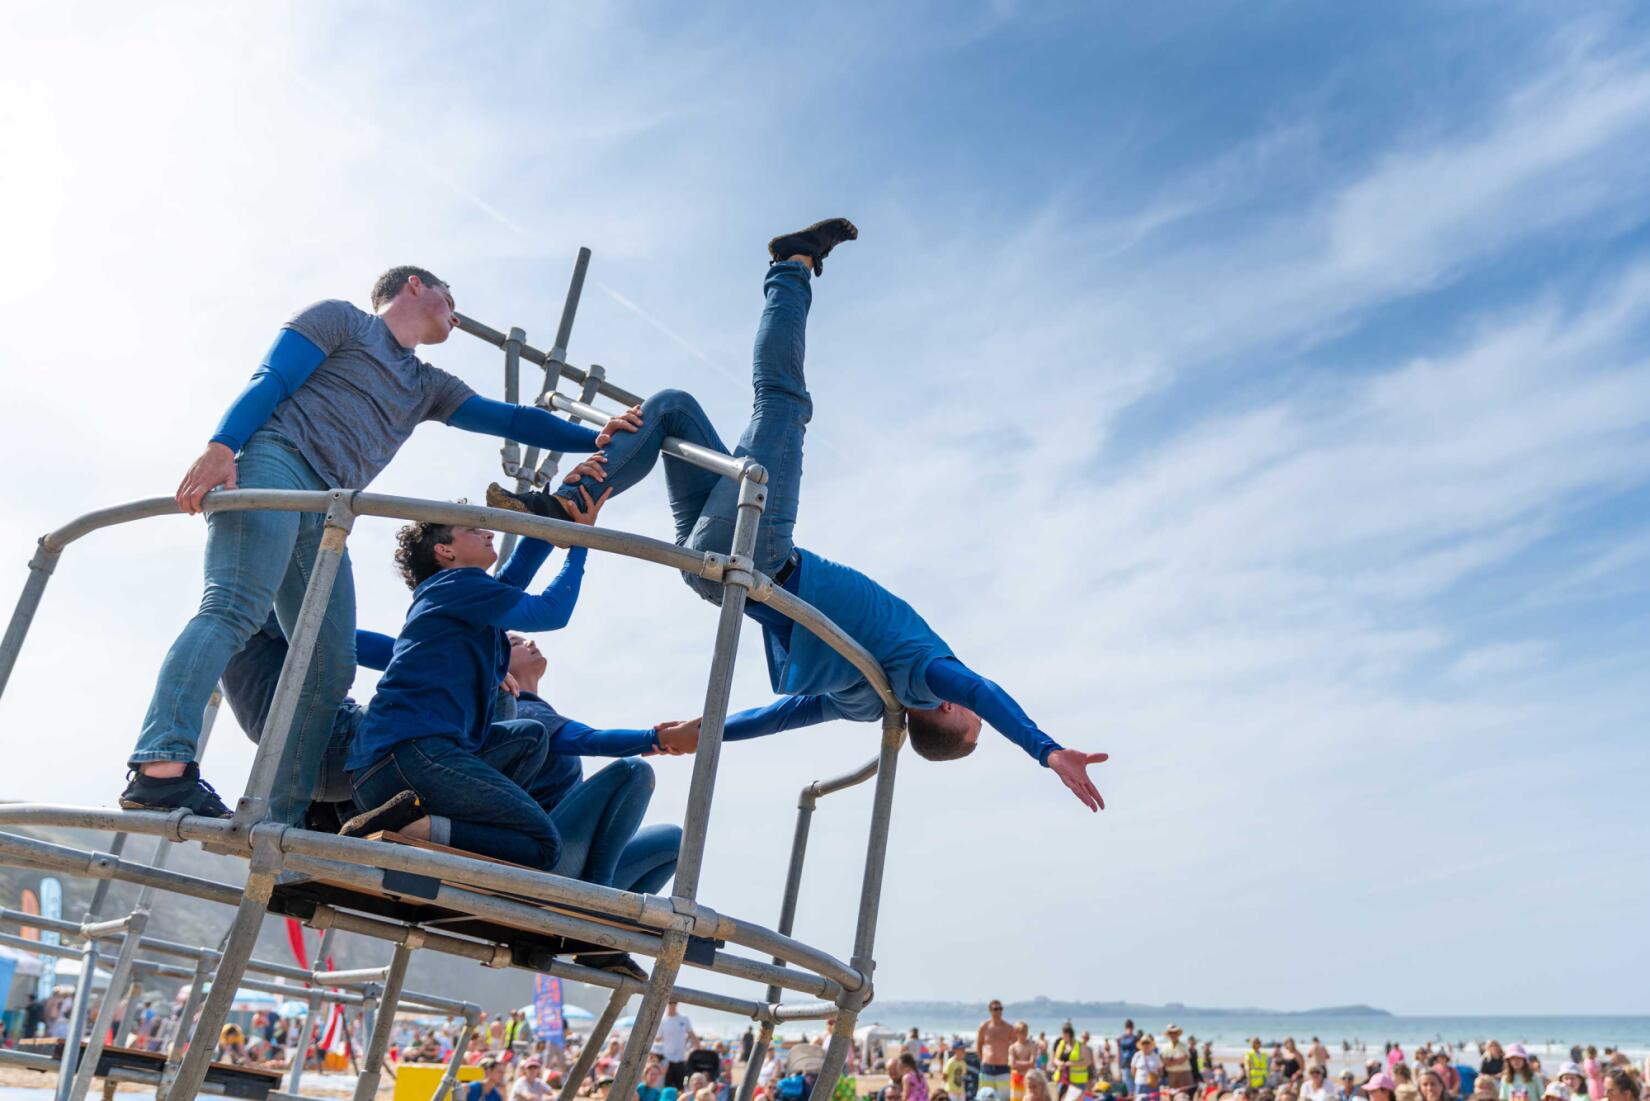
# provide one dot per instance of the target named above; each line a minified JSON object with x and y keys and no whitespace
{"x":295,"y":936}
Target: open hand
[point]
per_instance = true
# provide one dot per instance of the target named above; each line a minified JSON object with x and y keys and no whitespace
{"x":678,"y":737}
{"x":587,"y":514}
{"x":215,"y":467}
{"x":628,"y":421}
{"x":1072,"y":766}
{"x":594,"y":465}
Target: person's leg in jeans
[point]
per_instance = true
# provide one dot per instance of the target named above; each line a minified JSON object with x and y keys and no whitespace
{"x":598,"y":818}
{"x":649,"y":860}
{"x":479,"y":808}
{"x":331,"y":670}
{"x":247,"y":556}
{"x":780,"y":411}
{"x":630,"y":457}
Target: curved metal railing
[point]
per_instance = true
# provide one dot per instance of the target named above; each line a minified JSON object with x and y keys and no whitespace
{"x":675,"y":931}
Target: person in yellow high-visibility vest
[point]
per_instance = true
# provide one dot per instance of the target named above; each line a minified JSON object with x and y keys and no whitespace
{"x":1070,"y":1059}
{"x":1256,"y":1063}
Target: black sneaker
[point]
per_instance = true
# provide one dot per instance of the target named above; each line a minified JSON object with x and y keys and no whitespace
{"x":534,"y":501}
{"x":188,"y":791}
{"x":326,"y":817}
{"x":619,"y":963}
{"x":815,"y":242}
{"x":395,"y":813}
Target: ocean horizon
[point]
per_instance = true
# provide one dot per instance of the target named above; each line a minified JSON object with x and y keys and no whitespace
{"x":1348,"y":1036}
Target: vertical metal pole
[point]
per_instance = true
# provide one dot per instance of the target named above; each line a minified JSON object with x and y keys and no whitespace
{"x":243,"y":936}
{"x":253,"y":806}
{"x":593,"y":1047}
{"x":100,"y":893}
{"x":191,"y":1004}
{"x":870,"y":901}
{"x":77,"y":1021}
{"x":736,"y":578}
{"x":296,"y":1073}
{"x":552,"y":461}
{"x":558,"y":353}
{"x":510,"y":453}
{"x":372,"y":1067}
{"x":40,"y":572}
{"x":450,"y":1078}
{"x":119,"y":979}
{"x":787,"y":921}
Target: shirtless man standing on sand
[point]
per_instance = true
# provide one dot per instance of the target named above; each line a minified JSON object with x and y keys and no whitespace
{"x":1022,"y":1057}
{"x":995,"y":1038}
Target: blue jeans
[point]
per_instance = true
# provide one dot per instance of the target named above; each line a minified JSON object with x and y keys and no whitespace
{"x":598,"y":823}
{"x":255,"y":560}
{"x":481,"y":793}
{"x":704,"y":504}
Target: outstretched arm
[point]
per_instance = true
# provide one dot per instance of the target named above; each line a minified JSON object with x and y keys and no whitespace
{"x":574,"y":739}
{"x":950,"y":679}
{"x":551,"y":609}
{"x":537,"y":427}
{"x":785,"y":713}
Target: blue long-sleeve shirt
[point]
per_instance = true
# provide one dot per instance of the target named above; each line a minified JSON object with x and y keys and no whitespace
{"x":293,"y":358}
{"x":569,"y":741}
{"x":821,"y":684}
{"x":446,"y":665}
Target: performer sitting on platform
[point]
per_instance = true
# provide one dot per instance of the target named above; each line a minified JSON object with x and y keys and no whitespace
{"x":428,"y":756}
{"x":944,"y":699}
{"x":336,"y":396}
{"x":597,"y":819}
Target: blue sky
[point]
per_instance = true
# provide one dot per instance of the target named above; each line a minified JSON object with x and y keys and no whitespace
{"x":1259,"y":391}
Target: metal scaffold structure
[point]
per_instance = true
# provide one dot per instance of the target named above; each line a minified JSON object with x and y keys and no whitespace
{"x":496,"y":914}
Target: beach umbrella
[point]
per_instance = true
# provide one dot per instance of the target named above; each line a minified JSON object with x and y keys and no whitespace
{"x":293,"y":1009}
{"x":577,"y":1013}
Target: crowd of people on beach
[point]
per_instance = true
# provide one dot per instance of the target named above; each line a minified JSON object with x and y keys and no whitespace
{"x":1007,"y":1062}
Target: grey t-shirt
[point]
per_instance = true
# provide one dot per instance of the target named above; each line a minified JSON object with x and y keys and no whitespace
{"x":353,"y":414}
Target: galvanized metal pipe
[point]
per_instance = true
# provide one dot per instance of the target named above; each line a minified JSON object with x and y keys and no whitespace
{"x":295,"y":1073}
{"x":271,"y":757}
{"x":191,"y":1006}
{"x":77,"y":1021}
{"x":237,"y":949}
{"x":60,"y":858}
{"x":372,"y":1067}
{"x":119,"y":979}
{"x":40,"y":572}
{"x":546,"y":470}
{"x":449,"y":1079}
{"x":555,"y":360}
{"x":593,"y":1046}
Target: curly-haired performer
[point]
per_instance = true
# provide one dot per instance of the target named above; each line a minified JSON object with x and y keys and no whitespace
{"x":429,"y":730}
{"x":944,"y":699}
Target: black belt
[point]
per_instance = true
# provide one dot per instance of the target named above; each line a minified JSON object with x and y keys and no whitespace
{"x":783,"y":573}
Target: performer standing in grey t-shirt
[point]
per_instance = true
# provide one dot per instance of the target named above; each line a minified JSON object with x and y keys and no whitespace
{"x":336,"y":396}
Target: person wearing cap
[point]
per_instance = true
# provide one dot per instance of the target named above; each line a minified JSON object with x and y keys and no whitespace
{"x":955,"y":1072}
{"x":1574,"y":1079}
{"x":1520,"y":1081}
{"x":1381,"y":1087}
{"x":529,"y":1084}
{"x":1177,"y":1061}
{"x":1348,"y":1088}
{"x":1128,"y":1042}
{"x":1148,"y":1069}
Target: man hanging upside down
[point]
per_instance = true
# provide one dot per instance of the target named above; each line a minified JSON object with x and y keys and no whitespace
{"x":945,"y":701}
